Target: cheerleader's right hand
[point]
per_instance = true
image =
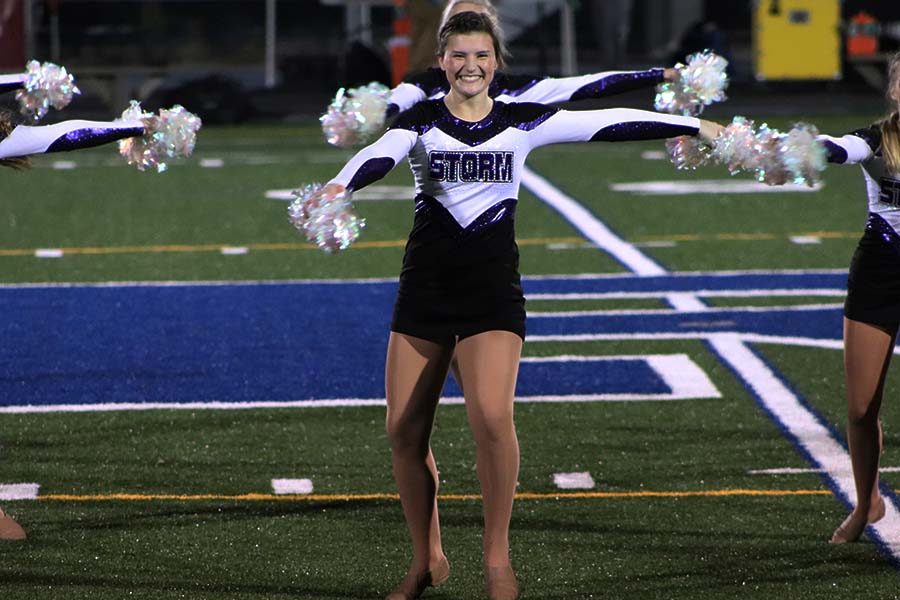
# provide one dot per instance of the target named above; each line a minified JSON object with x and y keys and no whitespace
{"x":709,"y":131}
{"x":332,"y":190}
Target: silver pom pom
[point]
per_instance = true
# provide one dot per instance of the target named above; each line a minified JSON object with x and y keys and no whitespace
{"x":773,"y":157}
{"x":700,"y":83}
{"x":804,"y":158}
{"x":688,"y":152}
{"x":46,"y":85}
{"x":736,"y":146}
{"x":356,"y":115}
{"x":767,"y":165}
{"x":171,"y":134}
{"x":326,"y":221}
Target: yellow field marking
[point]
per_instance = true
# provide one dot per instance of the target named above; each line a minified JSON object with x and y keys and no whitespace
{"x":443,"y":497}
{"x":159,"y":249}
{"x":376,"y":244}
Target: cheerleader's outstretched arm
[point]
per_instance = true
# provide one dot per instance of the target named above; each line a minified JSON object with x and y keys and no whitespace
{"x":615,"y":125}
{"x":374,"y":161}
{"x":26,"y":140}
{"x":582,"y":87}
{"x":9,"y":83}
{"x":852,"y":148}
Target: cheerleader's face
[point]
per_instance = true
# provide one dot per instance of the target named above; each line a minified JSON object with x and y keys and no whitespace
{"x":469,"y":63}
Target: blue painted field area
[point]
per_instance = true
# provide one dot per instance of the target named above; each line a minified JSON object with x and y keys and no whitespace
{"x":280,"y":342}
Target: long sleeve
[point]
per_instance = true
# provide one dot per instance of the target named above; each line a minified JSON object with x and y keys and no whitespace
{"x":376,"y":160}
{"x":432,"y":83}
{"x":610,"y":125}
{"x":852,"y":148}
{"x":565,"y":89}
{"x":403,"y":97}
{"x":421,"y":86}
{"x":9,"y":83}
{"x":68,"y":135}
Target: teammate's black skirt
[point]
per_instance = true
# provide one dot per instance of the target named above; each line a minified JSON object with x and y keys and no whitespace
{"x":457,"y":283}
{"x":873,"y":286}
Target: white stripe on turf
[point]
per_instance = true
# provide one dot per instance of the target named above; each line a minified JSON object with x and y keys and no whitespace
{"x":574,"y":481}
{"x":19,"y":491}
{"x":48,"y":253}
{"x":800,"y":424}
{"x":590,"y":226}
{"x":754,"y":293}
{"x":682,"y":310}
{"x":292,"y":486}
{"x":797,"y":471}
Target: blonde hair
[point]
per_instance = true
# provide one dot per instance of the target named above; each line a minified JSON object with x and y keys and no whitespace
{"x":473,"y":22}
{"x":890,"y":126}
{"x":486,"y":4}
{"x":19,"y":163}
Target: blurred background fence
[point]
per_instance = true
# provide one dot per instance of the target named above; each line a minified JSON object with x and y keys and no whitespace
{"x":236,"y":60}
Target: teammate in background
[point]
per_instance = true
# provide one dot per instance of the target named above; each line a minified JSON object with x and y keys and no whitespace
{"x":872,"y":307}
{"x":460,"y":288}
{"x":431,"y":83}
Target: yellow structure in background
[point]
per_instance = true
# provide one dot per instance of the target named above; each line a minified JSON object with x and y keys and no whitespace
{"x":797,"y":39}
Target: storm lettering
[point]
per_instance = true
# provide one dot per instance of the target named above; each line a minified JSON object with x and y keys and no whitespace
{"x":488,"y":167}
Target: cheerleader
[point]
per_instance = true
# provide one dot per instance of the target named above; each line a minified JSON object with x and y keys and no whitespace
{"x":872,"y":306}
{"x":460,"y":287}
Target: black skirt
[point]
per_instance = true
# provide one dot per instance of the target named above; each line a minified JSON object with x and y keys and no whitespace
{"x":456,"y":283}
{"x":873,"y":285}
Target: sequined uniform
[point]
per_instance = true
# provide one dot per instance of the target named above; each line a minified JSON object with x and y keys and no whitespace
{"x":25,"y":140}
{"x":432,"y":84}
{"x":873,"y":284}
{"x":9,"y":83}
{"x":460,"y":271}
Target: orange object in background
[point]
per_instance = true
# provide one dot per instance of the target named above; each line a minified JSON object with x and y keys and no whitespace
{"x":862,"y":35}
{"x":398,"y":45}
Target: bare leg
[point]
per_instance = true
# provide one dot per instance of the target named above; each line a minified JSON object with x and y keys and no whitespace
{"x":489,"y":364}
{"x":414,"y":375}
{"x":9,"y":529}
{"x":867,"y":355}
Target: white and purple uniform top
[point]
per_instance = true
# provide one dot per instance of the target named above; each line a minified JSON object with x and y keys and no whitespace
{"x":25,"y":140}
{"x":9,"y":83}
{"x":863,"y":147}
{"x":432,"y":84}
{"x":471,"y":171}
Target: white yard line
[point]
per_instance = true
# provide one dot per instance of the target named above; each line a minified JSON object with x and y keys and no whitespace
{"x":19,"y":491}
{"x":574,"y":481}
{"x":292,"y":486}
{"x":590,"y":226}
{"x":811,"y":436}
